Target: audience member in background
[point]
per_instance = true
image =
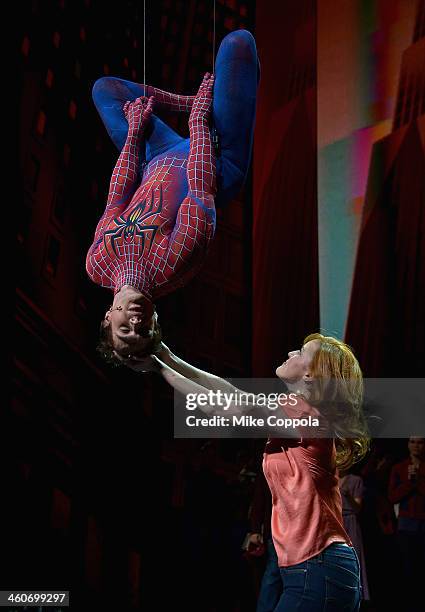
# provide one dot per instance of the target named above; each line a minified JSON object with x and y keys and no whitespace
{"x":407,"y":488}
{"x":378,"y":523}
{"x":260,"y":522}
{"x":351,"y":489}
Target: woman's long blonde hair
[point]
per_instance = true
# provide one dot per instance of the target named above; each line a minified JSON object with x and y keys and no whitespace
{"x":338,"y":390}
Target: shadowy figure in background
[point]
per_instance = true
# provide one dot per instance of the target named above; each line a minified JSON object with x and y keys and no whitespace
{"x":407,"y":488}
{"x":260,"y":524}
{"x":351,"y":489}
{"x":378,"y":523}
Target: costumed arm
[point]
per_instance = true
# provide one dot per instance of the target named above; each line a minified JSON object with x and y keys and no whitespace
{"x":201,"y":162}
{"x":166,"y":100}
{"x":124,"y":180}
{"x":195,"y":222}
{"x":125,"y":175}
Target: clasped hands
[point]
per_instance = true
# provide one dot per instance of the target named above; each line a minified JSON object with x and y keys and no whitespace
{"x":139,"y":111}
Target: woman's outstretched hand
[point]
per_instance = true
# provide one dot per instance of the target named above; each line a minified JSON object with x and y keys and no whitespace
{"x":143,"y":364}
{"x":154,"y":363}
{"x":178,"y":381}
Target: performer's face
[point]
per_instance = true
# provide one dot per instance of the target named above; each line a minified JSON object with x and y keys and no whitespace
{"x":298,"y":363}
{"x":417,"y":447}
{"x":132,"y":321}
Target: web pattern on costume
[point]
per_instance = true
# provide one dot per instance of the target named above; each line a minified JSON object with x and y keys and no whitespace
{"x":152,"y":242}
{"x":195,"y":224}
{"x":170,"y":101}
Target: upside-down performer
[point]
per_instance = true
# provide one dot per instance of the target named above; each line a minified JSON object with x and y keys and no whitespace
{"x":160,"y":213}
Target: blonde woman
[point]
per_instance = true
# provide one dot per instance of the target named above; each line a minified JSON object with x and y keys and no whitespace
{"x":318,"y":564}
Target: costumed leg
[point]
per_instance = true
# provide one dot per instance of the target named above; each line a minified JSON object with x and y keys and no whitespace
{"x":235,"y":91}
{"x":110,"y":95}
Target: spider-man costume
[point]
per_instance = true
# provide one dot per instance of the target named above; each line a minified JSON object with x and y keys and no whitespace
{"x":160,"y":213}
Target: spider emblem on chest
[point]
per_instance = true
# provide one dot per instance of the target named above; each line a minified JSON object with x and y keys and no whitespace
{"x":128,"y":227}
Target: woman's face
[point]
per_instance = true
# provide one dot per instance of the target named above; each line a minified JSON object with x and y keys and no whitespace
{"x":298,"y":363}
{"x":417,"y":447}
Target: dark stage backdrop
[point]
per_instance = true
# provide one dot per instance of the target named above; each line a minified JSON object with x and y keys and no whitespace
{"x":386,"y":322}
{"x":100,"y":498}
{"x":285,"y":302}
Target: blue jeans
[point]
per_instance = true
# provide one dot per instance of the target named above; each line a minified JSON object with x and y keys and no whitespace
{"x":271,"y":584}
{"x":328,"y":582}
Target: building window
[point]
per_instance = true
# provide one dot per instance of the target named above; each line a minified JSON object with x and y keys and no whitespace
{"x":229,"y":23}
{"x":72,"y":110}
{"x":49,"y":78}
{"x":59,"y":206}
{"x":40,"y":125}
{"x":24,"y":222}
{"x":56,"y":39}
{"x":52,"y":257}
{"x":61,"y":511}
{"x":25,"y":49}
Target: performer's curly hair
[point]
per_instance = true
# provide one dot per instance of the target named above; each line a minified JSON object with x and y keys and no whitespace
{"x":337,"y":390}
{"x":106,"y":348}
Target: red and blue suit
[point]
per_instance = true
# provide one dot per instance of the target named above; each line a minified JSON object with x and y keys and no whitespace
{"x":160,"y":214}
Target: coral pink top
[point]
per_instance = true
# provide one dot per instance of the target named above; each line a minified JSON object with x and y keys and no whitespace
{"x":307,"y":506}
